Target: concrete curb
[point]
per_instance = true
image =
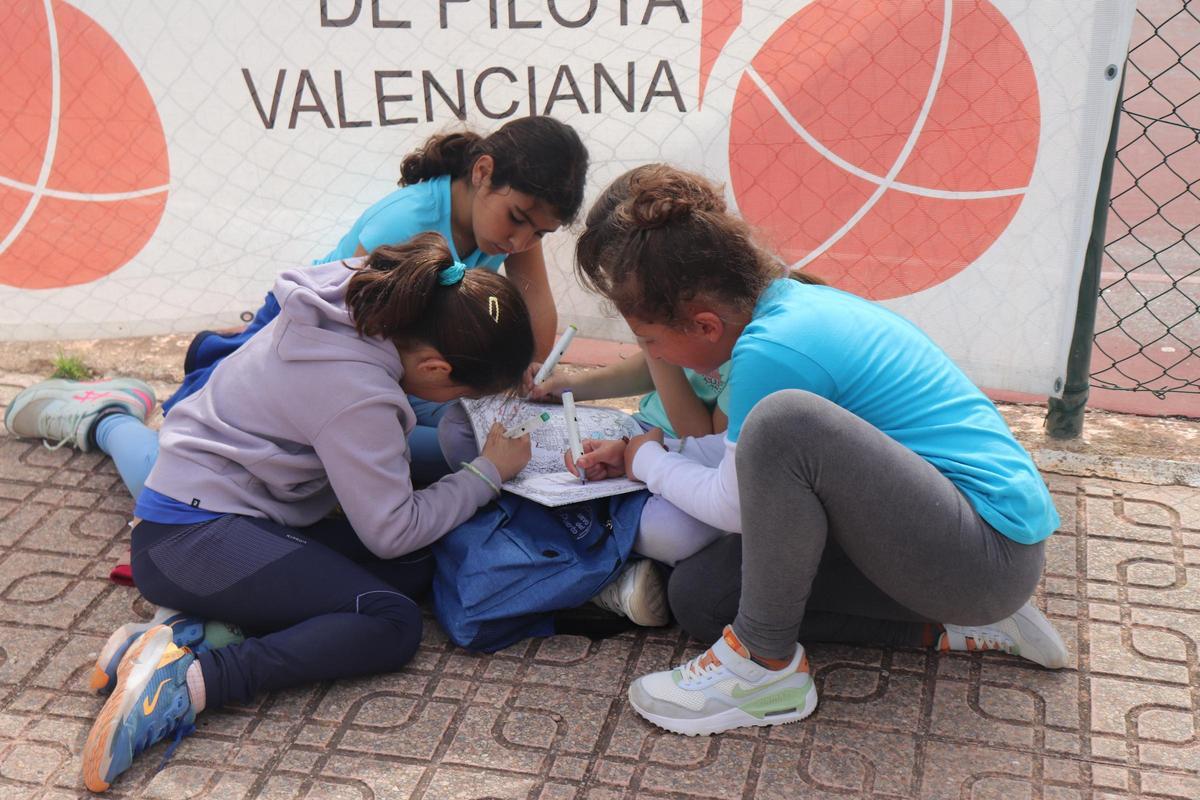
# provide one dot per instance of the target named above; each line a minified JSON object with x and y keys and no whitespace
{"x":1160,"y":451}
{"x":1135,"y":469}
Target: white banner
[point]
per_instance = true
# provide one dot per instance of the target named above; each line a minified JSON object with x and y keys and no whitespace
{"x":160,"y":162}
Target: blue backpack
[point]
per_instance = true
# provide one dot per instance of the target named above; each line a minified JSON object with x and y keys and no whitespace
{"x":501,"y":574}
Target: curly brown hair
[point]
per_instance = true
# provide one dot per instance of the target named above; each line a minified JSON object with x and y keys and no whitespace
{"x":659,"y":237}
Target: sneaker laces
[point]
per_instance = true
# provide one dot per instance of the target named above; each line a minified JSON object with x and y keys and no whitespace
{"x":62,"y":428}
{"x":180,"y":732}
{"x":990,"y":639}
{"x":699,"y":666}
{"x":156,"y":733}
{"x":609,"y":597}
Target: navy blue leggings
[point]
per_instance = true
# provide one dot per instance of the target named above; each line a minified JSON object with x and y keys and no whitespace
{"x":314,"y":602}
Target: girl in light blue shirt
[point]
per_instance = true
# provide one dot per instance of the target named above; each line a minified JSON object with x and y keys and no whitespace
{"x":874,"y":486}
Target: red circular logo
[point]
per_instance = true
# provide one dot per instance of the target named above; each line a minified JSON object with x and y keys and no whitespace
{"x":885,"y":145}
{"x":83,"y":158}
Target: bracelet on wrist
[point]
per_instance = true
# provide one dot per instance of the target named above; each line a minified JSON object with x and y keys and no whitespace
{"x":467,"y":465}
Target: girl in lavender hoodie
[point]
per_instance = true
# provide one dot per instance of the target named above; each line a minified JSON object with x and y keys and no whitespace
{"x":313,"y":412}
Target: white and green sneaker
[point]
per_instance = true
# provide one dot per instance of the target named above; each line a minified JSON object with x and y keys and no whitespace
{"x":637,"y":593}
{"x":724,"y":689}
{"x":65,"y":412}
{"x":1027,"y":634}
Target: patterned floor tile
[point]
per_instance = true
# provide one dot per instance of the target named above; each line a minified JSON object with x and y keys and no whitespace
{"x":549,"y":720}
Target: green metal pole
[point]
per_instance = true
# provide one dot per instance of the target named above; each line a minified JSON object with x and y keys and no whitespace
{"x":1064,"y":417}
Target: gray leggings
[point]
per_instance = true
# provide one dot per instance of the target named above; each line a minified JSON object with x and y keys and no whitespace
{"x":909,"y":544}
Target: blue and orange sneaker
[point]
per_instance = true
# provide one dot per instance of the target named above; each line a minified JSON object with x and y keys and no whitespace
{"x":151,"y":703}
{"x":65,"y":412}
{"x":191,"y":632}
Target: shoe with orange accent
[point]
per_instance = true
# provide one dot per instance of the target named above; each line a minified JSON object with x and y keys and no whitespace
{"x":66,"y":412}
{"x":723,"y":689}
{"x":191,"y":632}
{"x":1026,"y":633}
{"x":151,"y":703}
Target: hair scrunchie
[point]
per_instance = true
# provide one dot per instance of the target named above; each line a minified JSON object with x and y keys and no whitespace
{"x":452,"y":274}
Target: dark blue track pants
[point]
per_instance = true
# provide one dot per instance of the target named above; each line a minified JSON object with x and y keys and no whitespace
{"x":314,"y":602}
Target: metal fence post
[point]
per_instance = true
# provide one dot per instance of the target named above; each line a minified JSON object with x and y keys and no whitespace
{"x":1064,"y":417}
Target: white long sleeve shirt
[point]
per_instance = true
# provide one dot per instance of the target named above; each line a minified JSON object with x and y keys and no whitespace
{"x":700,"y":480}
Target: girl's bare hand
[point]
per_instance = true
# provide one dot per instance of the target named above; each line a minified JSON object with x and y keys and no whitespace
{"x":508,"y":455}
{"x":601,"y":459}
{"x":551,"y":389}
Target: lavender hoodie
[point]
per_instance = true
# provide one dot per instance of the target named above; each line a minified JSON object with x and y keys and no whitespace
{"x":308,"y":414}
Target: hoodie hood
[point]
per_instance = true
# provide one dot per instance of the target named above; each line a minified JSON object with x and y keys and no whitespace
{"x":315,"y":325}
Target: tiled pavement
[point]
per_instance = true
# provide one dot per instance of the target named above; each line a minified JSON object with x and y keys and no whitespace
{"x":547,"y":719}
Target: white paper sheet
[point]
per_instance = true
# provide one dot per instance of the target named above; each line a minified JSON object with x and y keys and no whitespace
{"x":545,"y":478}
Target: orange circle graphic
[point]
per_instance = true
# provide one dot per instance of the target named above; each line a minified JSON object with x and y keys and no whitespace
{"x":83,"y":158}
{"x":885,"y":144}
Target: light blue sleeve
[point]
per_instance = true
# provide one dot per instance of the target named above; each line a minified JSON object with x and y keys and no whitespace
{"x":761,"y":367}
{"x":396,"y":222}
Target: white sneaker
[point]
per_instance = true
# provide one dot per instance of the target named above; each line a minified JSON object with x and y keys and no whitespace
{"x":1027,"y":634}
{"x":724,"y":689}
{"x":637,"y":593}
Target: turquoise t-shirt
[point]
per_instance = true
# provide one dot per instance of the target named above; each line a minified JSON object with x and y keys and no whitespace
{"x":403,"y":214}
{"x":883,"y":369}
{"x":709,"y":388}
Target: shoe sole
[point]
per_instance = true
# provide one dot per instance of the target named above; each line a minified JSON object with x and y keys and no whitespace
{"x":727,"y":720}
{"x":114,"y":650}
{"x":1046,"y":645}
{"x":648,"y":607}
{"x":134,"y":672}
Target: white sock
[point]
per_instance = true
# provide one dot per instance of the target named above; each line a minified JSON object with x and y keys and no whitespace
{"x":195,"y":686}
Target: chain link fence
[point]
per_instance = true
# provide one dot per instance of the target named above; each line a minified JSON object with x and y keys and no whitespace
{"x":160,"y":163}
{"x":1147,"y":334}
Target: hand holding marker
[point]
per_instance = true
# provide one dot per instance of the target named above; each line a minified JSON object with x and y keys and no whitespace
{"x":551,"y":361}
{"x":573,"y":440}
{"x":528,"y":426}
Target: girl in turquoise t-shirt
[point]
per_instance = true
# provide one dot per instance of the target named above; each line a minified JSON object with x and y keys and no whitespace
{"x":878,"y":493}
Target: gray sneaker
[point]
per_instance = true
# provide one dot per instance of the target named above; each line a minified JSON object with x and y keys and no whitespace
{"x":65,"y":412}
{"x":637,"y":593}
{"x":1027,"y":634}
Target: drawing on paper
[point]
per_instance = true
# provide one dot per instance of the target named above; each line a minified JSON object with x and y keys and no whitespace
{"x":545,"y":478}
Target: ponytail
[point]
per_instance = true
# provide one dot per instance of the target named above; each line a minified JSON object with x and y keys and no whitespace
{"x":447,"y":154}
{"x":476,"y":319}
{"x":537,"y":156}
